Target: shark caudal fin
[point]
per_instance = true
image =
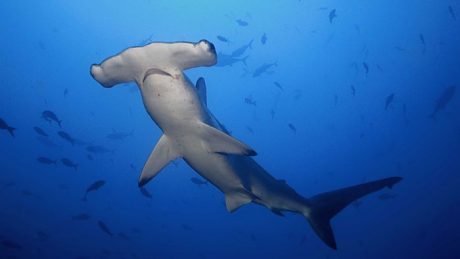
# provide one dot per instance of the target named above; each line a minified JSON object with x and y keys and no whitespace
{"x":323,"y":207}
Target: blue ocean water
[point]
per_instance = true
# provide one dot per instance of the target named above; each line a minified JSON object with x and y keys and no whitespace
{"x":329,"y":93}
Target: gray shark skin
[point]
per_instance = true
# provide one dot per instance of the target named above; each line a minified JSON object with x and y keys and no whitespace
{"x":191,"y":132}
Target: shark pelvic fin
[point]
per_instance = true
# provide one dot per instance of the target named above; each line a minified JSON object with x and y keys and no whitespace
{"x":162,"y":154}
{"x":218,"y":142}
{"x":234,"y":200}
{"x":201,"y":89}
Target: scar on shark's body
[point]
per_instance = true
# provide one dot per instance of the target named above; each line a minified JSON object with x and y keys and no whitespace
{"x":193,"y":133}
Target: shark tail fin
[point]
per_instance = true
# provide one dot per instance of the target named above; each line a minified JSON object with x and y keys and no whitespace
{"x":323,"y":207}
{"x":244,"y":60}
{"x":11,"y":130}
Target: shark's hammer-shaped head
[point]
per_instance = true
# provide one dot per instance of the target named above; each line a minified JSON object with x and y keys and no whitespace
{"x":133,"y":63}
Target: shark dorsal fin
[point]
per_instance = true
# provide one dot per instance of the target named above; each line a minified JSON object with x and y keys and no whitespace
{"x":162,"y":154}
{"x":217,"y":141}
{"x":201,"y":89}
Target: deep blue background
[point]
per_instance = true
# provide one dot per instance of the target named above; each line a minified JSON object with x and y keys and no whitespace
{"x":341,"y":139}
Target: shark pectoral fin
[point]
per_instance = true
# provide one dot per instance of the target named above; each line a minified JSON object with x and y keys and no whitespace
{"x":162,"y":154}
{"x":234,"y":200}
{"x":218,"y":142}
{"x":201,"y":89}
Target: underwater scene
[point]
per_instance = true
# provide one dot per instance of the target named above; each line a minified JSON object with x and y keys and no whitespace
{"x":229,"y":129}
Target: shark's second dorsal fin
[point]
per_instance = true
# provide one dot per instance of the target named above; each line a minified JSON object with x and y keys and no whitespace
{"x":201,"y":89}
{"x":162,"y":154}
{"x":217,"y":141}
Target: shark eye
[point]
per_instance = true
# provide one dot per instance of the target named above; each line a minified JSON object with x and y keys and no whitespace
{"x":209,"y":44}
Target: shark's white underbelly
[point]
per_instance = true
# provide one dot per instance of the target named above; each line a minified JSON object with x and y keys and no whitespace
{"x":176,"y":108}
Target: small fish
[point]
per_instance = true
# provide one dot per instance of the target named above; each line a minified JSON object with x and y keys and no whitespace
{"x":93,"y":187}
{"x":406,"y":119}
{"x":123,"y":236}
{"x":292,"y":127}
{"x":90,"y":157}
{"x":117,"y":135}
{"x":40,"y":131}
{"x":186,"y":227}
{"x":278,"y":85}
{"x":297,"y":94}
{"x":357,"y":28}
{"x":443,"y":100}
{"x":452,"y":13}
{"x":353,"y":90}
{"x":366,"y":67}
{"x":69,"y":163}
{"x":272,"y":113}
{"x":5,"y":126}
{"x":80,"y":142}
{"x":386,"y":196}
{"x":81,"y":216}
{"x":228,"y":60}
{"x":145,"y":193}
{"x":198,"y":181}
{"x":27,"y":193}
{"x":332,"y":15}
{"x":242,"y":23}
{"x":66,"y":92}
{"x":263,"y":69}
{"x":98,"y":149}
{"x":303,"y":239}
{"x":7,"y":185}
{"x":263,"y":39}
{"x":51,"y":116}
{"x":66,"y":136}
{"x":46,"y":161}
{"x":146,"y":40}
{"x":357,"y":204}
{"x":222,"y":38}
{"x":389,"y":100}
{"x":250,"y":129}
{"x":336,"y":99}
{"x":250,"y":101}
{"x":41,"y":236}
{"x":11,"y":244}
{"x":104,"y":228}
{"x":241,"y":50}
{"x":422,"y":40}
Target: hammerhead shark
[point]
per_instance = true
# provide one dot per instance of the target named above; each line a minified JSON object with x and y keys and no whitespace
{"x":192,"y":132}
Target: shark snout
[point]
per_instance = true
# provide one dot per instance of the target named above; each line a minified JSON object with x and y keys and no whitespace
{"x":209,"y":45}
{"x":98,"y":74}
